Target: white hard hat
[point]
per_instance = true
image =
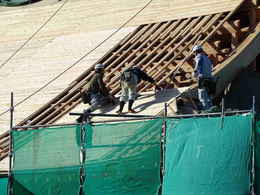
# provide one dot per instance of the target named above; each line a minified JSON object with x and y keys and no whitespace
{"x":99,"y":66}
{"x":197,"y":47}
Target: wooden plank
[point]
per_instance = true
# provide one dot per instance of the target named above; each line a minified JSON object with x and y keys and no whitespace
{"x":65,"y":111}
{"x":3,"y":142}
{"x":166,"y":33}
{"x":5,"y":134}
{"x":4,"y":153}
{"x":61,"y":109}
{"x":52,"y":108}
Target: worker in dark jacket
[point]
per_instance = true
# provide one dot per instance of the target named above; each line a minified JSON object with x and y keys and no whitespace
{"x":129,"y":81}
{"x":97,"y":92}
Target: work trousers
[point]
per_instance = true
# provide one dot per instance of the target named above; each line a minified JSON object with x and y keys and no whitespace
{"x":97,"y":101}
{"x":204,"y":98}
{"x":128,"y":91}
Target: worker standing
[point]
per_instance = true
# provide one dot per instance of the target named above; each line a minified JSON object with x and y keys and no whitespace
{"x":129,"y":81}
{"x":203,"y":72}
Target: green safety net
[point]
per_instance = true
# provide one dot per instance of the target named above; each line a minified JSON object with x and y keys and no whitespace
{"x":123,"y":159}
{"x":3,"y":186}
{"x":14,"y":2}
{"x":208,"y":156}
{"x":46,"y":161}
{"x":257,"y":154}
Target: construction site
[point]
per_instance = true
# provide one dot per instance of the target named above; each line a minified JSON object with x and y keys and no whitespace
{"x":49,"y":51}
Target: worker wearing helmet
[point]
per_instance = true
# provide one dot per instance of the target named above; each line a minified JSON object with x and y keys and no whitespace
{"x":203,"y":72}
{"x":96,"y":93}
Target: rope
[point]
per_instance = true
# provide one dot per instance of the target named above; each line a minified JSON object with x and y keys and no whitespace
{"x":33,"y":35}
{"x":80,"y":59}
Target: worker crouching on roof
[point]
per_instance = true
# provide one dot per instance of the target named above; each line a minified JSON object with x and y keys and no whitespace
{"x":96,"y":93}
{"x":129,"y":81}
{"x":203,"y":72}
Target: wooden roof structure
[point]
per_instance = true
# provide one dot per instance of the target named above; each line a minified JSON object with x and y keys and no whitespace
{"x":162,"y":48}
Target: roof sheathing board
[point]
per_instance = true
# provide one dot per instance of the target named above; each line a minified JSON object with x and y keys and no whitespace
{"x":104,"y":14}
{"x":164,"y":10}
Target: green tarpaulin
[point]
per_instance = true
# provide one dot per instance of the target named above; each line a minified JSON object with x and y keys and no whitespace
{"x":3,"y":186}
{"x":46,"y":161}
{"x":205,"y":156}
{"x":123,"y":159}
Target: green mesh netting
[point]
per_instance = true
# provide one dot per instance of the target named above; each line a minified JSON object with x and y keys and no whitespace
{"x":257,"y":155}
{"x":123,"y":159}
{"x":202,"y":158}
{"x":3,"y":186}
{"x":46,"y":161}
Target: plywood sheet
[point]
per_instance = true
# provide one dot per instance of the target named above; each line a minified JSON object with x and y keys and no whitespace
{"x":94,"y":15}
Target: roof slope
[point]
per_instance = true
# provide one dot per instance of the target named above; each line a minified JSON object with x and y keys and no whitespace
{"x":159,"y":48}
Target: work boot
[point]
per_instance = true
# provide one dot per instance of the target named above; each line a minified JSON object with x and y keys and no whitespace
{"x":130,"y":104}
{"x":121,"y":106}
{"x":132,"y":111}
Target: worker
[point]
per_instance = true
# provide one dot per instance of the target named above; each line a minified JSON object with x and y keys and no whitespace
{"x":129,"y":81}
{"x":203,"y":73}
{"x":96,"y":93}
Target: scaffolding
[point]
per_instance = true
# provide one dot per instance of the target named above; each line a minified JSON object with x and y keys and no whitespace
{"x":137,"y":154}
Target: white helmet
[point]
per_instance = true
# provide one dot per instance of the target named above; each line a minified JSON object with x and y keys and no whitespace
{"x":197,"y":47}
{"x":99,"y":66}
